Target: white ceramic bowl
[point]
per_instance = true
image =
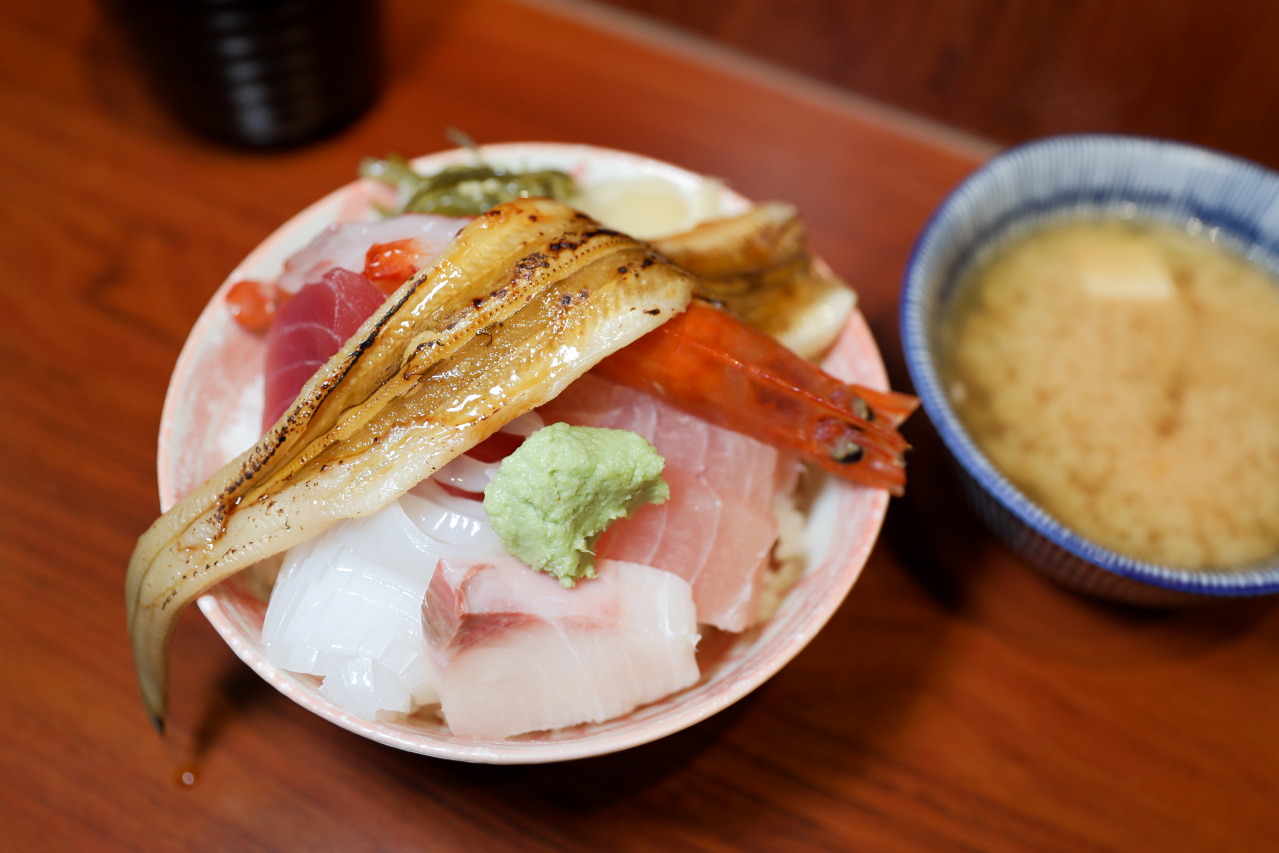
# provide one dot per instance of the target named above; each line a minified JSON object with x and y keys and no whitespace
{"x":1062,"y":179}
{"x":214,"y":406}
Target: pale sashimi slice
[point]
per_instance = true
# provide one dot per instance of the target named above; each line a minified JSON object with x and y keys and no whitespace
{"x":347,"y":605}
{"x":345,"y":245}
{"x":718,"y":528}
{"x":518,"y":653}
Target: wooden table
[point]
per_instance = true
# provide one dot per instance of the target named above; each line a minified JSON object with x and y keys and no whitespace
{"x":956,"y":700}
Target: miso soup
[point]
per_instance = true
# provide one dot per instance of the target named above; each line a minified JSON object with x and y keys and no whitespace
{"x":1126,"y":378}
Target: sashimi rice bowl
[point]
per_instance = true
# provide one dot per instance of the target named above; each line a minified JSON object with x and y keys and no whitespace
{"x":405,"y":617}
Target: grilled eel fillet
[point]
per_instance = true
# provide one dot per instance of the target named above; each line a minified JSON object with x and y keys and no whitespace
{"x":526,"y":299}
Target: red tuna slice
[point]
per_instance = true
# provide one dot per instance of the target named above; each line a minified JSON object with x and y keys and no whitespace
{"x":309,"y":329}
{"x":586,"y":654}
{"x":718,"y":528}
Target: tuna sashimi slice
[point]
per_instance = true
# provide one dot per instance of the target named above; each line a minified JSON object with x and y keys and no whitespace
{"x":718,"y":528}
{"x":517,"y":652}
{"x":309,"y":329}
{"x":721,"y":547}
{"x":331,"y":301}
{"x":728,"y":462}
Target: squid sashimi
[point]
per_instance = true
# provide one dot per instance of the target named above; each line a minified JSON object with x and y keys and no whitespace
{"x":347,"y":605}
{"x":718,"y":528}
{"x":517,"y":652}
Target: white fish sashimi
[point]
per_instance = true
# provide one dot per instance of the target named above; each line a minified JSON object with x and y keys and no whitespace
{"x":345,"y":245}
{"x":347,"y":605}
{"x":517,"y":652}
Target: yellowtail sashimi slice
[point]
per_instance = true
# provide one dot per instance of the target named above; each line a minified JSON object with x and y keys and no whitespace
{"x":583,"y":655}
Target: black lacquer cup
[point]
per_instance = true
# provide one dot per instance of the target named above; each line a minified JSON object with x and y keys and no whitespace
{"x":256,"y":73}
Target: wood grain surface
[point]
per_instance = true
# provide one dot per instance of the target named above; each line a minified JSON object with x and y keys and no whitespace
{"x":1183,"y":69}
{"x":955,"y":702}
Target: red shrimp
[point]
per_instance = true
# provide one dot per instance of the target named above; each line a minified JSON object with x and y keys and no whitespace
{"x":721,"y":370}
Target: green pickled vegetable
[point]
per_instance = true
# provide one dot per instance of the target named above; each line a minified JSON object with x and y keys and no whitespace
{"x":463,"y":190}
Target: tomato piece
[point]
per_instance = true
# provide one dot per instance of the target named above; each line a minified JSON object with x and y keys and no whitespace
{"x":388,"y":265}
{"x":253,"y":304}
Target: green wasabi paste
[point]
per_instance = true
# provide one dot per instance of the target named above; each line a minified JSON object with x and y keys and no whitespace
{"x":563,"y":487}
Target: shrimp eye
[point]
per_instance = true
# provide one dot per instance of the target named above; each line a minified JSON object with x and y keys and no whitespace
{"x":846,"y":451}
{"x":863,"y":410}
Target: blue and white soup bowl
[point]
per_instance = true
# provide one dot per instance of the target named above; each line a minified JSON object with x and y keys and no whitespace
{"x":1065,"y":179}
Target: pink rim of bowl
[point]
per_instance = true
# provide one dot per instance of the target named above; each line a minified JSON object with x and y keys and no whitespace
{"x":213,"y":408}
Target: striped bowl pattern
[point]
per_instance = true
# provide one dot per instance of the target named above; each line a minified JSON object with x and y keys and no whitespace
{"x":1061,"y":179}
